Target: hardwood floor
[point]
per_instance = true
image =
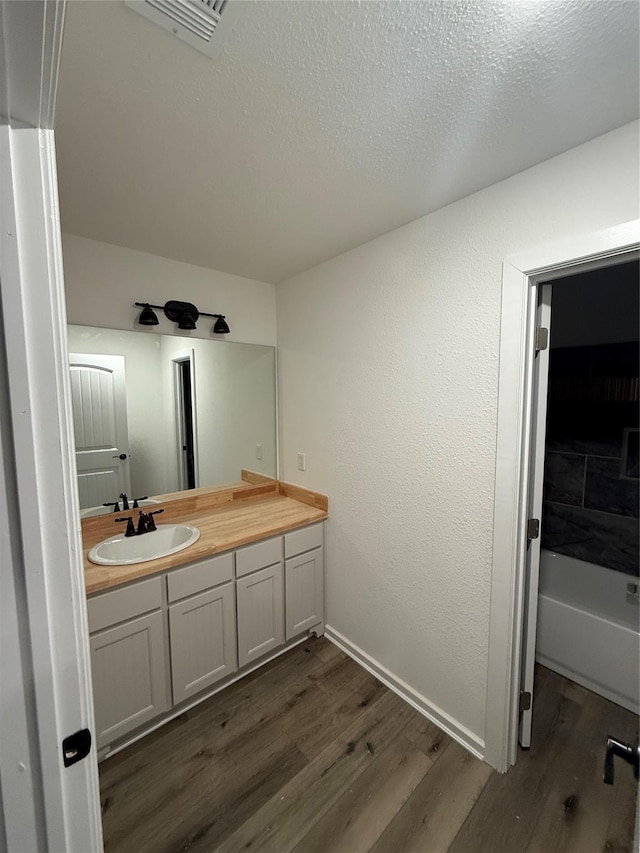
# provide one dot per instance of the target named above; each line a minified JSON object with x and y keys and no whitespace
{"x":312,"y":753}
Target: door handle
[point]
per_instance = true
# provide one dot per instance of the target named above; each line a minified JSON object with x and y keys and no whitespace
{"x":76,"y":747}
{"x":122,"y":456}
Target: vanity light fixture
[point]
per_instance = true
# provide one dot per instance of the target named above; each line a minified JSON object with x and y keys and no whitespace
{"x":185,"y":314}
{"x":186,"y":321}
{"x":148,"y":316}
{"x":220,"y":326}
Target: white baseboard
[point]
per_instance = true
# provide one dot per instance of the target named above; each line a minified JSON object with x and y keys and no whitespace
{"x":452,"y":727}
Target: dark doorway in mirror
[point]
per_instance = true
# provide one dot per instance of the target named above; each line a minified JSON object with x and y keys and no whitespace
{"x":185,"y":433}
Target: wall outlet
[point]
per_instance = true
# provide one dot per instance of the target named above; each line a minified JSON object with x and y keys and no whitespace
{"x":302,"y":462}
{"x":258,"y":451}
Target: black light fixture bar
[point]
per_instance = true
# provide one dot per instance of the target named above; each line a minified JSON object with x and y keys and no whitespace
{"x":185,"y":314}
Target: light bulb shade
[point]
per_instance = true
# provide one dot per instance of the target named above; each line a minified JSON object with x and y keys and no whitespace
{"x":186,"y":321}
{"x":148,"y":317}
{"x":220,"y":327}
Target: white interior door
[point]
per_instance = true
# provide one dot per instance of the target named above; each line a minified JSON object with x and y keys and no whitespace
{"x":536,"y":480}
{"x":99,"y":402}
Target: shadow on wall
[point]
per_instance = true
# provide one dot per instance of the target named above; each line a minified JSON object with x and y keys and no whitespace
{"x":591,"y":490}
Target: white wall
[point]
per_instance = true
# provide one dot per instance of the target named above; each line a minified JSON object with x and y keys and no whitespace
{"x":388,"y":367}
{"x":103,"y":281}
{"x":235,"y":404}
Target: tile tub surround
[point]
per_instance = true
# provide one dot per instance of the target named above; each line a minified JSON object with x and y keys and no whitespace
{"x":607,"y":490}
{"x":591,"y":506}
{"x":590,"y":511}
{"x":564,"y":475}
{"x":596,"y":537}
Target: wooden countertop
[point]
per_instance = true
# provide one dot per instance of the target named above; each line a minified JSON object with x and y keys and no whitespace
{"x":246,"y":517}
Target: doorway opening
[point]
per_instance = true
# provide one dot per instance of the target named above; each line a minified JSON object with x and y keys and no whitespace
{"x":581,"y":601}
{"x":185,"y":421}
{"x":522,"y":275}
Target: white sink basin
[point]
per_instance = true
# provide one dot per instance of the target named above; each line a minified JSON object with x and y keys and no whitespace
{"x":122,"y":550}
{"x":90,"y":511}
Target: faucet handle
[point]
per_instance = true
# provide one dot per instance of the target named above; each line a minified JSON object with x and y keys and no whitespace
{"x":626,"y":751}
{"x":135,"y":501}
{"x":116,"y":506}
{"x":130,"y":531}
{"x":152,"y":523}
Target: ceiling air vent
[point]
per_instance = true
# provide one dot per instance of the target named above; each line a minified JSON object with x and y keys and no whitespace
{"x":193,"y":21}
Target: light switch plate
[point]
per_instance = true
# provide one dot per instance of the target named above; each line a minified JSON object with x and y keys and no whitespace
{"x":258,"y":451}
{"x":302,"y":462}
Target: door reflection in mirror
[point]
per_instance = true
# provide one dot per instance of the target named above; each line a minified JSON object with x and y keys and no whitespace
{"x":98,"y":396}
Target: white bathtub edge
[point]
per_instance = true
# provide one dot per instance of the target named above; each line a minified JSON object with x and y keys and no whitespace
{"x":595,"y":652}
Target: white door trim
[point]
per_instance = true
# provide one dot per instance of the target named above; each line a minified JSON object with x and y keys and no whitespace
{"x":522,"y":273}
{"x":45,"y":688}
{"x":46,"y":516}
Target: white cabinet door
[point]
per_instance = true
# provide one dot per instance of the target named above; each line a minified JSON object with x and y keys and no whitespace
{"x":260,"y":613}
{"x":304,"y":596}
{"x":203,"y":640}
{"x":129,"y":676}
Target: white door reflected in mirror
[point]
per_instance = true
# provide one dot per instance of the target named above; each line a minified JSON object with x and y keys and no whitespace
{"x":98,"y":395}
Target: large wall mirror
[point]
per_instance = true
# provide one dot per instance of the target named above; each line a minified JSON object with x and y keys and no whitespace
{"x":155,"y":414}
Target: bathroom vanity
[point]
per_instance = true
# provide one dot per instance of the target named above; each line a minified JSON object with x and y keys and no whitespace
{"x":168,"y":633}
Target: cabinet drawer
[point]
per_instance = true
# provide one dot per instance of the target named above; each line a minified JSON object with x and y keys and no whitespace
{"x":109,"y":608}
{"x":299,"y":541}
{"x":199,"y":576}
{"x":258,"y":556}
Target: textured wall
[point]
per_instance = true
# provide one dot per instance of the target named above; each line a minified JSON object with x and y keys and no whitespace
{"x":388,"y":369}
{"x":321,"y":125}
{"x":103,"y":281}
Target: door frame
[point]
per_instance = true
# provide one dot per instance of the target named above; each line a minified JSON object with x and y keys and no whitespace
{"x":46,"y":680}
{"x":521,"y":275}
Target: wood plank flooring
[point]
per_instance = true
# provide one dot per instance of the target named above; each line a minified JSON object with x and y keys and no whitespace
{"x":312,"y":754}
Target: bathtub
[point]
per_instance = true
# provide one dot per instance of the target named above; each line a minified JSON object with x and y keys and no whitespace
{"x":587,"y":631}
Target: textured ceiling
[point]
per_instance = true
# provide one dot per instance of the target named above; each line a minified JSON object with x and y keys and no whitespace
{"x":322,"y":124}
